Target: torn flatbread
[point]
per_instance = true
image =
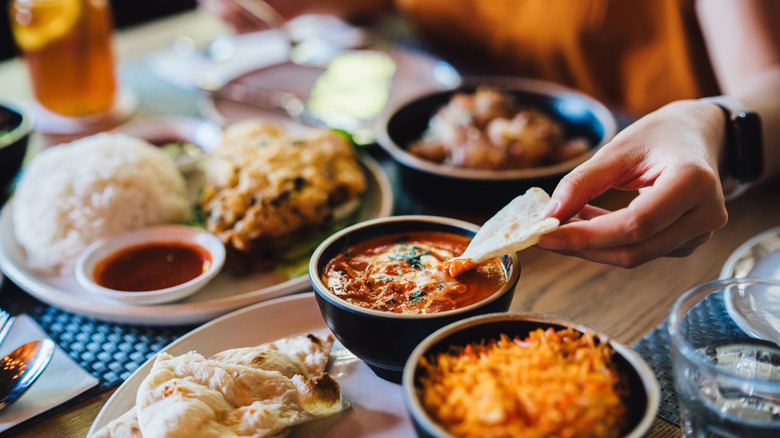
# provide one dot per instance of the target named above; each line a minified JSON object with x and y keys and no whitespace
{"x":515,"y":227}
{"x":125,"y":426}
{"x":190,"y":395}
{"x":244,"y":392}
{"x":311,"y":351}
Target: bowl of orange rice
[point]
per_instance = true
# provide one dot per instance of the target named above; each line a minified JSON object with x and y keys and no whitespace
{"x":524,"y":374}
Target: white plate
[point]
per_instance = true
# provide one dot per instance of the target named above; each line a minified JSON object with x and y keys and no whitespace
{"x":758,"y":257}
{"x":206,"y":245}
{"x":377,"y":405}
{"x":223,"y":294}
{"x":415,"y":73}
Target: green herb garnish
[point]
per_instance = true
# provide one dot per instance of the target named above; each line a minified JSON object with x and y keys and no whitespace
{"x":411,"y":254}
{"x":417,"y":295}
{"x":198,"y":217}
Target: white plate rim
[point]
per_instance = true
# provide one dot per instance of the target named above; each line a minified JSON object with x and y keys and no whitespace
{"x":728,"y":271}
{"x":728,"y":268}
{"x":181,"y":313}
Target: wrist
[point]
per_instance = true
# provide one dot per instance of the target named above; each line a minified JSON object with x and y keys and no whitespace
{"x":743,"y":158}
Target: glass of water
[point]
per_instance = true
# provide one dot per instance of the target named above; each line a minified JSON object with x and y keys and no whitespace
{"x":727,"y":381}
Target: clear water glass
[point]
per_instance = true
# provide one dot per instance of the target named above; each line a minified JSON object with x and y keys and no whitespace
{"x":727,"y":382}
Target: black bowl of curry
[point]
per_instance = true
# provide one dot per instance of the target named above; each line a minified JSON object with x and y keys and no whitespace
{"x":382,"y":285}
{"x":525,"y":374}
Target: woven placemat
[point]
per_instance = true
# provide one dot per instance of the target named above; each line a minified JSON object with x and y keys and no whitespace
{"x":110,"y":352}
{"x":655,"y":348}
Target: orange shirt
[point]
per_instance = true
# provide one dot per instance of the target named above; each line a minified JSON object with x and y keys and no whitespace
{"x":637,"y":54}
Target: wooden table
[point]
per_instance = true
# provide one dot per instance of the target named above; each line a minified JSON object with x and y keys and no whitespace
{"x":626,"y":304}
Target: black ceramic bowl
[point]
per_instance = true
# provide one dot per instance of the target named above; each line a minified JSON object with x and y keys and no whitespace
{"x":384,"y":340}
{"x":643,"y":385}
{"x":579,"y":114}
{"x":15,"y":127}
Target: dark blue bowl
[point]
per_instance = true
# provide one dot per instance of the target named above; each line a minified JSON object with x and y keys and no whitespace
{"x":15,"y":127}
{"x":643,"y":385}
{"x":579,"y":114}
{"x":384,"y":340}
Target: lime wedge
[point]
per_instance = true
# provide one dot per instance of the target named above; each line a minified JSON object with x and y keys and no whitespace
{"x":35,"y":24}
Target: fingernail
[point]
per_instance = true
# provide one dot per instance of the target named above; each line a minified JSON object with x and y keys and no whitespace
{"x":552,"y":207}
{"x":551,"y":242}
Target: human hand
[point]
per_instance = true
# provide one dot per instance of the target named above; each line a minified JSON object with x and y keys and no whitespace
{"x":232,"y":14}
{"x":671,"y":157}
{"x":241,"y":22}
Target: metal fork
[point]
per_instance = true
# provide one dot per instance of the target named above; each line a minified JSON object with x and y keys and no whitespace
{"x":6,"y":320}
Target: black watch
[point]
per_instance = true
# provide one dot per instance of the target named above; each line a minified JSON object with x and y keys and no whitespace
{"x":744,"y":142}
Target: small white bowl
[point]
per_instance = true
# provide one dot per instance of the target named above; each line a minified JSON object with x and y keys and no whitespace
{"x":100,"y":250}
{"x":205,"y":135}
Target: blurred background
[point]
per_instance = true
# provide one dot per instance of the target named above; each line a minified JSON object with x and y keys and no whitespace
{"x":126,"y":13}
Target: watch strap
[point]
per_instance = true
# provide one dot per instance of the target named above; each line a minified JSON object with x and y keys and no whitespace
{"x":744,"y":145}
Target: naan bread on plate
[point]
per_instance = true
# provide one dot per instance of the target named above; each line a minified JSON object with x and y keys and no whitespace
{"x":515,"y":227}
{"x":245,"y":392}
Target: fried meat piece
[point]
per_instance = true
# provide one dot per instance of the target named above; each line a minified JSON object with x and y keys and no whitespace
{"x":264,"y":182}
{"x":489,"y":130}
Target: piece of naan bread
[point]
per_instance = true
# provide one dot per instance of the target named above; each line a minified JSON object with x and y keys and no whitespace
{"x":290,"y":356}
{"x":125,"y":426}
{"x":515,"y":227}
{"x":244,"y":392}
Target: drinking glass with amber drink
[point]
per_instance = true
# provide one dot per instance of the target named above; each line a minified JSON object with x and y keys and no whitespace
{"x":66,"y":45}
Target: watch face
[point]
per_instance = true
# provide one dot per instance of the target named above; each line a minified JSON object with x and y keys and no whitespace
{"x":748,"y":147}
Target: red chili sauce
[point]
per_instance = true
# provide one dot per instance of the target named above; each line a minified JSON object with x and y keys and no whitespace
{"x":152,"y":266}
{"x":404,"y":273}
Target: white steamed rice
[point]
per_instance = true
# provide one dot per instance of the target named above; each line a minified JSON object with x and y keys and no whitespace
{"x":73,"y":194}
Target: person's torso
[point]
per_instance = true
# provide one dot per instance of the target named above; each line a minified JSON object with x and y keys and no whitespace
{"x":637,"y":54}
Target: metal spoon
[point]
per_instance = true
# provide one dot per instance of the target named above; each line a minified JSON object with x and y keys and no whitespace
{"x":20,"y":368}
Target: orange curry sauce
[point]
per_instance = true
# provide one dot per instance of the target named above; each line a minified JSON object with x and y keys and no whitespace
{"x":405,"y":273}
{"x":152,"y":266}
